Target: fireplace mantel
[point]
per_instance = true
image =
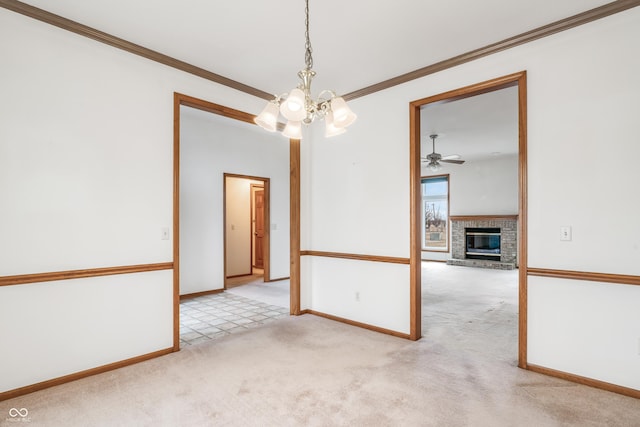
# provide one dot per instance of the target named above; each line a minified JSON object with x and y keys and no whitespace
{"x":481,"y":217}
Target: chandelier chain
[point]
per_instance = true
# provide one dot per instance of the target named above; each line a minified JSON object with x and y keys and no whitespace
{"x":308,"y":59}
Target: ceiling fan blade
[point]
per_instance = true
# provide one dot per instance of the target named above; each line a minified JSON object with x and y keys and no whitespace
{"x":457,"y":162}
{"x":451,"y":157}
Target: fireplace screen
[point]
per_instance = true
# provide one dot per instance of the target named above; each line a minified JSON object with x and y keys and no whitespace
{"x":483,"y":243}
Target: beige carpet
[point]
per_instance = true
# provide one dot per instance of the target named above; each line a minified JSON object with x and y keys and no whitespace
{"x":306,"y":370}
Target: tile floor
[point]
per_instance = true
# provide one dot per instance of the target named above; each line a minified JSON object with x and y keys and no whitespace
{"x":212,"y":316}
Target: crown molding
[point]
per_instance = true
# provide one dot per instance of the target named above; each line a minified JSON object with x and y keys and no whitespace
{"x":540,"y":32}
{"x":101,"y":36}
{"x":529,"y":36}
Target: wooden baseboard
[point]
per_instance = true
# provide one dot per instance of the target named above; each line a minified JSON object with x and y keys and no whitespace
{"x":82,"y":374}
{"x":239,"y":275}
{"x":200,"y":294}
{"x":585,"y":381}
{"x":358,"y":324}
{"x":435,"y":260}
{"x":277,"y":280}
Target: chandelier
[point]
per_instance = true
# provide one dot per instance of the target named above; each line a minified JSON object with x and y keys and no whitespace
{"x":298,"y":106}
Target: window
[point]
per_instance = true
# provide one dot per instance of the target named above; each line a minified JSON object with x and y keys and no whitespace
{"x":435,"y":213}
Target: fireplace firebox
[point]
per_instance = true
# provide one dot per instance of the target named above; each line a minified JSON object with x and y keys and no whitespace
{"x":482,"y":243}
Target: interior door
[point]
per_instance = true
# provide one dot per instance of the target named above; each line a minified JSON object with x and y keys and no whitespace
{"x":258,"y":260}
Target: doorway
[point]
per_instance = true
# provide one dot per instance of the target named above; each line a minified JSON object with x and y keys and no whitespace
{"x":246,"y":237}
{"x":514,"y":80}
{"x":292,"y":213}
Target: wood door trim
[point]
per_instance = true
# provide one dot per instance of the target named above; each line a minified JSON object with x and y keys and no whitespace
{"x":24,"y":279}
{"x":626,"y":391}
{"x":586,"y":276}
{"x":358,"y":324}
{"x":177,"y":100}
{"x":253,"y":189}
{"x":415,"y":224}
{"x":481,"y":217}
{"x":357,"y":257}
{"x":516,"y":79}
{"x":294,"y":224}
{"x":523,"y":230}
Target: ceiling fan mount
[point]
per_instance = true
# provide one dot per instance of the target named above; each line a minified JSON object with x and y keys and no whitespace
{"x":434,"y":158}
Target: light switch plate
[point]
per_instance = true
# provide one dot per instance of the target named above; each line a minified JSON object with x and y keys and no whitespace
{"x":565,"y":234}
{"x":164,"y":233}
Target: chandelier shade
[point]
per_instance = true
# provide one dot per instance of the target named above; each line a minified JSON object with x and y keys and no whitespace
{"x":342,"y":114}
{"x":298,"y":106}
{"x":268,"y":118}
{"x":293,"y":130}
{"x":293,"y":107}
{"x":330,"y":128}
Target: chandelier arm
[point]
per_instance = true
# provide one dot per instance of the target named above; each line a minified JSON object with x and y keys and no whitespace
{"x":331,"y":93}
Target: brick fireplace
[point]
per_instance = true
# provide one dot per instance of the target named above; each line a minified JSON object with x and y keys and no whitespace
{"x":494,"y":236}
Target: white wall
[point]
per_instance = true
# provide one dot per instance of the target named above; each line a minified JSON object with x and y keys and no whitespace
{"x":210,"y":146}
{"x":484,"y":187}
{"x":599,"y":339}
{"x":354,"y":198}
{"x":582,"y":90}
{"x":239,"y":226}
{"x":57,"y":328}
{"x":86,"y":137}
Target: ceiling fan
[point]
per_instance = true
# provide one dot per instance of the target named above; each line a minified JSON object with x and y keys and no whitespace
{"x":434,"y":158}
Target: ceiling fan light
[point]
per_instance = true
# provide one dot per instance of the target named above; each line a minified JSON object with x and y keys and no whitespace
{"x":293,"y":108}
{"x":434,"y":166}
{"x":330,"y":128}
{"x":268,"y":118}
{"x":342,"y":114}
{"x":293,"y":130}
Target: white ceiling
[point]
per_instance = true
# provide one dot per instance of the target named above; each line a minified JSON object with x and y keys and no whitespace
{"x":356,"y":43}
{"x":475,"y":128}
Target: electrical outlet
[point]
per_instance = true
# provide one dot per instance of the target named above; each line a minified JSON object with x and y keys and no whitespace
{"x":164,"y":233}
{"x":357,"y":296}
{"x":565,"y":234}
